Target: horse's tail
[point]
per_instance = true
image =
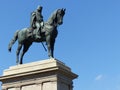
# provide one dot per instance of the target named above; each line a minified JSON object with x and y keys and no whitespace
{"x":13,"y":41}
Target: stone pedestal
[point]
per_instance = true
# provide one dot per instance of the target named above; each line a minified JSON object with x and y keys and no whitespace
{"x":48,"y":74}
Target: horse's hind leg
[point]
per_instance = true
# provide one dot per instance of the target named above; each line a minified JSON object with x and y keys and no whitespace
{"x":17,"y":53}
{"x":25,"y":49}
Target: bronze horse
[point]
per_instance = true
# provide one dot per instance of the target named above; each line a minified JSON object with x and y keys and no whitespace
{"x":48,"y":34}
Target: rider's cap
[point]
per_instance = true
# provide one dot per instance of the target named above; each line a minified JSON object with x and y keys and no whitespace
{"x":39,"y":7}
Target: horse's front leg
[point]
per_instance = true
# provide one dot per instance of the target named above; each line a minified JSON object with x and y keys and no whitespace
{"x":49,"y":46}
{"x":52,"y":47}
{"x":17,"y":53}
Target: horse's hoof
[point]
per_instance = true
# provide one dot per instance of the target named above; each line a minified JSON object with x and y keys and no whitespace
{"x":51,"y":57}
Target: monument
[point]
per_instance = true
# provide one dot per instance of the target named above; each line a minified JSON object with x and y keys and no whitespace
{"x":49,"y":74}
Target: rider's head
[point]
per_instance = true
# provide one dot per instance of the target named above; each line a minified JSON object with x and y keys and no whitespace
{"x":39,"y":8}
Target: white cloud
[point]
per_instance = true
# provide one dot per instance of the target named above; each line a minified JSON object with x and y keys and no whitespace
{"x":98,"y":77}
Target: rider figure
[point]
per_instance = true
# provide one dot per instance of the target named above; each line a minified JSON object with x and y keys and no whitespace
{"x":37,"y":21}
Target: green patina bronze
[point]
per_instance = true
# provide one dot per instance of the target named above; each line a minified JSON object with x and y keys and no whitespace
{"x":45,"y":32}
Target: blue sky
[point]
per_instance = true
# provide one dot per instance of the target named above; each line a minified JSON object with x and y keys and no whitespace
{"x":88,"y":41}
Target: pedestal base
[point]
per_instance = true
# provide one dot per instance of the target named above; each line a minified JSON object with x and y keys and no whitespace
{"x":48,"y":74}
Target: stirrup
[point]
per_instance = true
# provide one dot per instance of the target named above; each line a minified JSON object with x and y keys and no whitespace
{"x":37,"y":36}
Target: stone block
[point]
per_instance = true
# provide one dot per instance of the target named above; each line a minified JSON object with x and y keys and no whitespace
{"x":50,"y":74}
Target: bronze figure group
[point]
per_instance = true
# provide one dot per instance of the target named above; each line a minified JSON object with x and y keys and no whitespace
{"x":39,"y":31}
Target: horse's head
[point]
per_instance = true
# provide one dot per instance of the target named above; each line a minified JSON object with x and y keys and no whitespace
{"x":57,"y":17}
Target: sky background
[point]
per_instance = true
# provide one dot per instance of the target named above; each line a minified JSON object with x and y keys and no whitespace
{"x":88,"y":40}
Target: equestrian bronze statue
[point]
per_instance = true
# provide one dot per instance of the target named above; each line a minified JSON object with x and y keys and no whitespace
{"x":47,"y":34}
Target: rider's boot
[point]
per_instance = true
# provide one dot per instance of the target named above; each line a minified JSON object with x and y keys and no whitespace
{"x":38,"y":35}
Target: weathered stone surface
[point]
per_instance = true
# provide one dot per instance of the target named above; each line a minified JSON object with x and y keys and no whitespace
{"x":50,"y":74}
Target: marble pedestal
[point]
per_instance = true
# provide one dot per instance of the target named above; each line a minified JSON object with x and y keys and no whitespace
{"x":50,"y":74}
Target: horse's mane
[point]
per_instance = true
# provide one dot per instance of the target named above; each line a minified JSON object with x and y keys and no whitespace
{"x":52,"y":17}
